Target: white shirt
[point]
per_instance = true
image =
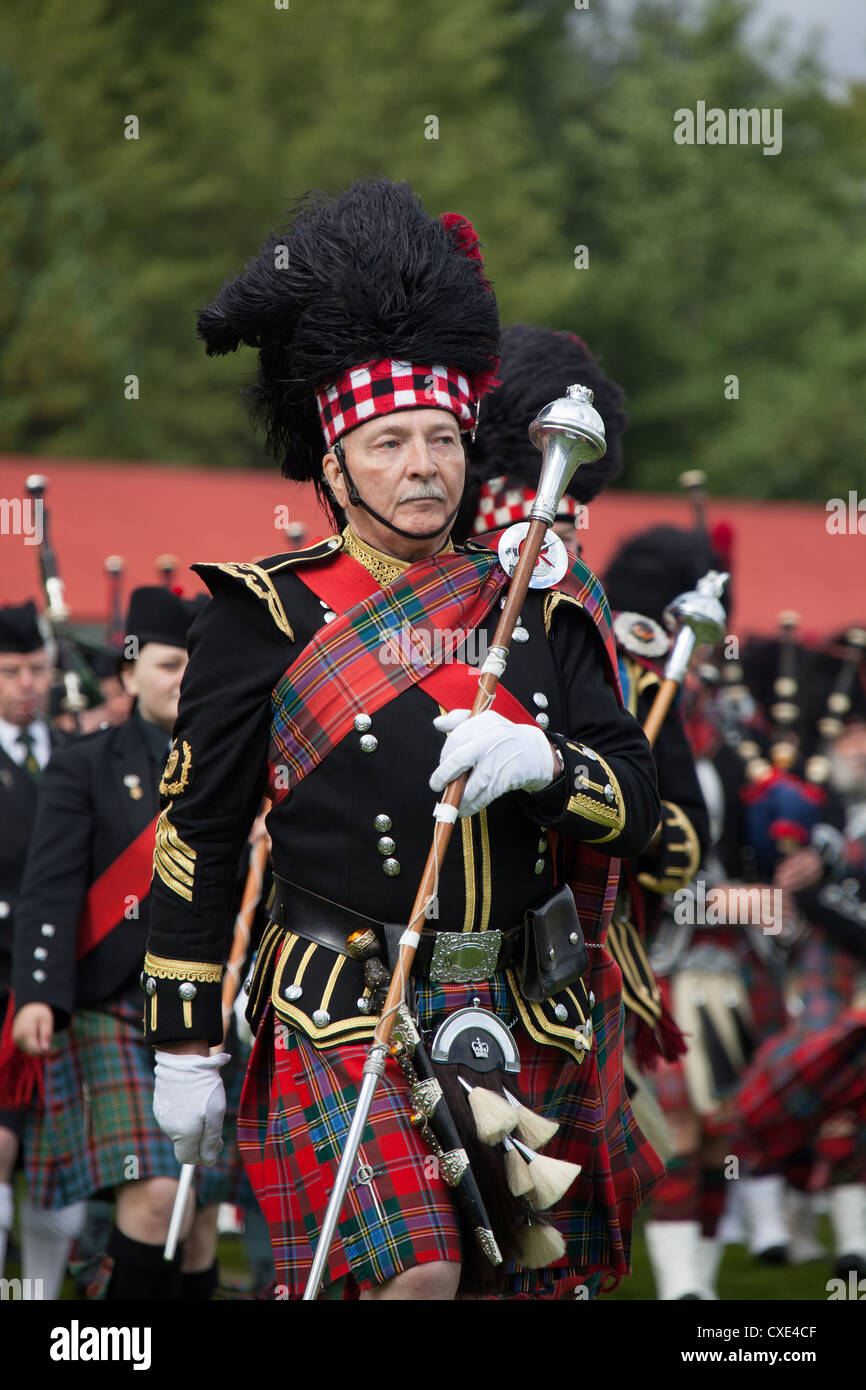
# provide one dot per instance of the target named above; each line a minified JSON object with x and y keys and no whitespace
{"x":38,"y":731}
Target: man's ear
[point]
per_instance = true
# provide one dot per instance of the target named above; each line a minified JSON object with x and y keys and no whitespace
{"x":334,"y":478}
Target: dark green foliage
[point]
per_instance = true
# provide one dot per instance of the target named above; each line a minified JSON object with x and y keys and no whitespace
{"x":555,"y":130}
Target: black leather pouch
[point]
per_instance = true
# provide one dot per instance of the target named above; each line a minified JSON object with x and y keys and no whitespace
{"x":554,"y":953}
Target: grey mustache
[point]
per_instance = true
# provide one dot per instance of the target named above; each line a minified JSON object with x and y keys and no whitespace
{"x":423,"y":491}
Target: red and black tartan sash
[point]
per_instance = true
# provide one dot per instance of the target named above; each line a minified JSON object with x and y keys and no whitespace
{"x":340,"y":673}
{"x":382,"y":642}
{"x":385,"y":640}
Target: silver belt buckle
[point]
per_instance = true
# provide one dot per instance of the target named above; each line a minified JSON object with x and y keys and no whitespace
{"x":460,"y":957}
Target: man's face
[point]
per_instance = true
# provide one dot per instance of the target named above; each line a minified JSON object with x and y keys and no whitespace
{"x":848,"y":758}
{"x":409,"y":467}
{"x":25,"y":682}
{"x":155,"y":678}
{"x":117,"y":704}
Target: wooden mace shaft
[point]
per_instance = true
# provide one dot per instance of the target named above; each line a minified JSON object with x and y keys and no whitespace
{"x":660,"y":707}
{"x":241,"y":935}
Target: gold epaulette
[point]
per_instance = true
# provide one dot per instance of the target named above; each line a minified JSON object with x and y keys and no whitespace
{"x":256,"y":575}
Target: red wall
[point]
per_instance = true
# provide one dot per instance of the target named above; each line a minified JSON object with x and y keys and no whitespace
{"x":783,"y":555}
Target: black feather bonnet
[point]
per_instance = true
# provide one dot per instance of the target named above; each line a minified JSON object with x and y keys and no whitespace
{"x":652,"y":568}
{"x":349,"y":281}
{"x":537,"y":366}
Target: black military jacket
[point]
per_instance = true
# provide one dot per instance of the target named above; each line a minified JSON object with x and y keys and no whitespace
{"x":839,"y":906}
{"x":672,"y":859}
{"x":95,"y":797}
{"x":327,"y":833}
{"x":18,"y":793}
{"x":685,"y":833}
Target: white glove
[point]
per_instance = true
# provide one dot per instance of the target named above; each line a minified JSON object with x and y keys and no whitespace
{"x":506,"y":757}
{"x":189,"y":1104}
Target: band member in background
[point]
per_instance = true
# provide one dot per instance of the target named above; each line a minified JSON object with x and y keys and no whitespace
{"x":793,"y":1099}
{"x":26,"y":743}
{"x":650,"y":570}
{"x":537,"y":365}
{"x":503,"y":464}
{"x":107,"y":664}
{"x":79,"y":937}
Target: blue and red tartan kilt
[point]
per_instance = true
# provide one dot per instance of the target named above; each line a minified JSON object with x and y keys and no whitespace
{"x":824,"y":976}
{"x":295,"y":1113}
{"x":95,"y":1129}
{"x":798,"y":1080}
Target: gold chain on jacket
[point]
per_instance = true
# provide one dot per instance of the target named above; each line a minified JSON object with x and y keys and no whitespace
{"x":384,"y":568}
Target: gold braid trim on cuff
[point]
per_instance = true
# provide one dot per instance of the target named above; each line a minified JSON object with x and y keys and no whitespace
{"x":680,"y":858}
{"x":600,"y":812}
{"x":163,"y":968}
{"x":173,"y":858}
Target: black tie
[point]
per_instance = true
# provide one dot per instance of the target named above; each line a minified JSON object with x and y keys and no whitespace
{"x":31,"y":763}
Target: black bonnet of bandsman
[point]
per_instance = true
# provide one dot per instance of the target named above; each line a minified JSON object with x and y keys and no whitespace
{"x":649,"y":570}
{"x":156,"y":614}
{"x":352,"y":280}
{"x":537,"y":367}
{"x":19,"y":629}
{"x":102,"y":660}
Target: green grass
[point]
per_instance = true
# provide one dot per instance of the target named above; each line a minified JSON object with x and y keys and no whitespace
{"x":740,"y":1276}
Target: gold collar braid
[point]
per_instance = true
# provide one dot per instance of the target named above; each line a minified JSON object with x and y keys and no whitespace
{"x":383,"y":568}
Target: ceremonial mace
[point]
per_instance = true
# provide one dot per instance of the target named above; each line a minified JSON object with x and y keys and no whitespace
{"x":701,"y":618}
{"x":568,"y":432}
{"x":231,"y":984}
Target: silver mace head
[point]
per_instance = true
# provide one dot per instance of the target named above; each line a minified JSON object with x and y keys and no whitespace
{"x":568,"y":432}
{"x":698,"y":617}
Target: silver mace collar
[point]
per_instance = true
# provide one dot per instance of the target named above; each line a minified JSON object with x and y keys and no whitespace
{"x":697,"y":617}
{"x":569,"y":432}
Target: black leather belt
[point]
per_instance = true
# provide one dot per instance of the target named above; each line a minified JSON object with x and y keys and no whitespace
{"x":330,"y":924}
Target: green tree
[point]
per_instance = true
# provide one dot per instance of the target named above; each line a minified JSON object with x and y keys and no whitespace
{"x":58,"y":335}
{"x":238,"y":114}
{"x":550,"y":127}
{"x":710,"y":262}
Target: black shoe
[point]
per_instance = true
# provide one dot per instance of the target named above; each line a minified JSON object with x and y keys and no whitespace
{"x":773,"y":1255}
{"x":848,"y":1264}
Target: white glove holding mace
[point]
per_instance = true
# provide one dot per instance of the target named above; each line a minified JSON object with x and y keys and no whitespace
{"x":504,"y":757}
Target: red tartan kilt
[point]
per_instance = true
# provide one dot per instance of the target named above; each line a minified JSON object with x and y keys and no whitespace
{"x":799,"y":1079}
{"x":296,"y":1108}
